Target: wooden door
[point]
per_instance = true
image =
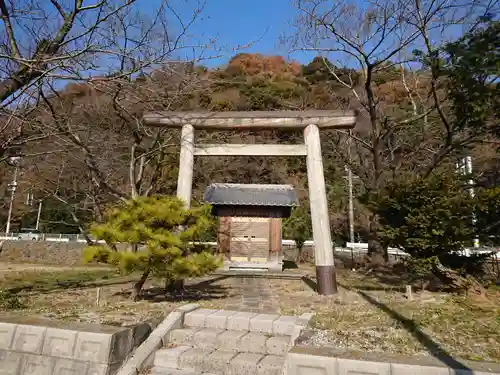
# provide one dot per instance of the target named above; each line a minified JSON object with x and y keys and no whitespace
{"x":249,"y":239}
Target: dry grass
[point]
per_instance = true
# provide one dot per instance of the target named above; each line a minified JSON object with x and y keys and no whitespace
{"x":371,"y":316}
{"x":71,"y":295}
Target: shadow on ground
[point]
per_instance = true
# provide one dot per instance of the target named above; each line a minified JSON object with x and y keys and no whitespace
{"x":432,"y":346}
{"x":201,"y":291}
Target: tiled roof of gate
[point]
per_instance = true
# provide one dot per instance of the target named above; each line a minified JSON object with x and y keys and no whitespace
{"x":251,"y":195}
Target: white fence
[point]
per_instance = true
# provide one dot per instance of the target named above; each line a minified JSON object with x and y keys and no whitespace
{"x":359,"y":247}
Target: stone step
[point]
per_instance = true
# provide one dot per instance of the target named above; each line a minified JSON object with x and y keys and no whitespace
{"x":231,"y":341}
{"x":216,"y":362}
{"x":241,"y":321}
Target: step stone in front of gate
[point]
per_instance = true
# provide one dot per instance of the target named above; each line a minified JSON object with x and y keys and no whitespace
{"x":221,"y":342}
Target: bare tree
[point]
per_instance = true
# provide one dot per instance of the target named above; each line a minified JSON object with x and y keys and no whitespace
{"x":377,"y":41}
{"x":48,"y":44}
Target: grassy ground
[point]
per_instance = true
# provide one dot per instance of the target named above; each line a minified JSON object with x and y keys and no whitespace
{"x":370,"y":315}
{"x":71,"y":294}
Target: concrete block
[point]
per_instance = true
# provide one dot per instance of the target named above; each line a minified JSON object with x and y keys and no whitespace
{"x":253,"y":342}
{"x":218,"y":319}
{"x":303,"y":364}
{"x":359,"y":367}
{"x":278,"y":345}
{"x":29,"y":339}
{"x":192,"y":359}
{"x":263,"y":323}
{"x":184,"y":309}
{"x":59,"y":343}
{"x":284,"y":325}
{"x":183,"y":336}
{"x":218,"y":362}
{"x":37,"y":365}
{"x":172,"y":371}
{"x":144,"y":355}
{"x":402,"y":369}
{"x":244,"y":364}
{"x":64,"y":366}
{"x":240,"y":321}
{"x":171,"y":322}
{"x":10,"y":362}
{"x":7,"y":331}
{"x":197,"y":318}
{"x":271,"y":365}
{"x":304,"y":319}
{"x":228,"y":341}
{"x":101,"y":369}
{"x":103,"y":347}
{"x":206,"y":338}
{"x":170,"y":357}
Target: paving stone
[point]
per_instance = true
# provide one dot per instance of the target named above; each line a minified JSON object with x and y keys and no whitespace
{"x":278,"y":345}
{"x":169,"y":357}
{"x":263,"y":323}
{"x":37,"y":365}
{"x":7,"y":331}
{"x":59,"y":343}
{"x":244,"y":364}
{"x":64,"y":366}
{"x":197,"y":318}
{"x":10,"y":362}
{"x":271,"y":365}
{"x":183,"y":336}
{"x":284,"y":325}
{"x":354,"y":367}
{"x":218,"y":319}
{"x":218,"y":362}
{"x":192,"y":359}
{"x":229,"y":340}
{"x":206,"y":338}
{"x":253,"y":342}
{"x":240,"y":321}
{"x":29,"y":339}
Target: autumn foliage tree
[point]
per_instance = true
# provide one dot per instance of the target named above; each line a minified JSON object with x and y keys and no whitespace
{"x":161,"y":232}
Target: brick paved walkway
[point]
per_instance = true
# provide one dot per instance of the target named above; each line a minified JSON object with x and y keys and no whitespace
{"x":256,"y":295}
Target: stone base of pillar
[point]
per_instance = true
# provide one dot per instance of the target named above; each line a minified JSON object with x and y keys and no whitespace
{"x":326,"y":280}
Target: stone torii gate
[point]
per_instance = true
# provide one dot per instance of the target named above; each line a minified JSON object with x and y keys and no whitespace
{"x":310,"y":122}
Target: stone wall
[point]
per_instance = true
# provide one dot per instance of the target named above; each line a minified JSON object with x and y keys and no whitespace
{"x":46,"y":252}
{"x":70,"y":253}
{"x":45,"y":347}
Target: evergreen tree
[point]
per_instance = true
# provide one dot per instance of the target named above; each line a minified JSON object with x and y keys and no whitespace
{"x":161,"y":232}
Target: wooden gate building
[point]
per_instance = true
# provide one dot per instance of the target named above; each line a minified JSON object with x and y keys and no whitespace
{"x":250,"y":222}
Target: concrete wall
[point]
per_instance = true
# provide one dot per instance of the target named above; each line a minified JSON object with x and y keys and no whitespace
{"x":323,"y":361}
{"x":31,"y":346}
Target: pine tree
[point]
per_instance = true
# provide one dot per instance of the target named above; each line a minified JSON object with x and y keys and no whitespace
{"x":161,"y":233}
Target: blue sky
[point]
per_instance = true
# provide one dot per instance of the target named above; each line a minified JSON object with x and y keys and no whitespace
{"x":240,"y":22}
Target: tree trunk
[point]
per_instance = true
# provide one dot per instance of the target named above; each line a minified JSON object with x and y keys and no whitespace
{"x":377,"y":252}
{"x":139,"y":284}
{"x":174,"y":286}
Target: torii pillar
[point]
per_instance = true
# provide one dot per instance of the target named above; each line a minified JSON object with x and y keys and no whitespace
{"x":311,"y":122}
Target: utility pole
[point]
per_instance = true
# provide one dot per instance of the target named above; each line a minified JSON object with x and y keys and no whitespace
{"x":466,"y":169}
{"x":39,"y":214}
{"x":12,"y":187}
{"x":351,"y":205}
